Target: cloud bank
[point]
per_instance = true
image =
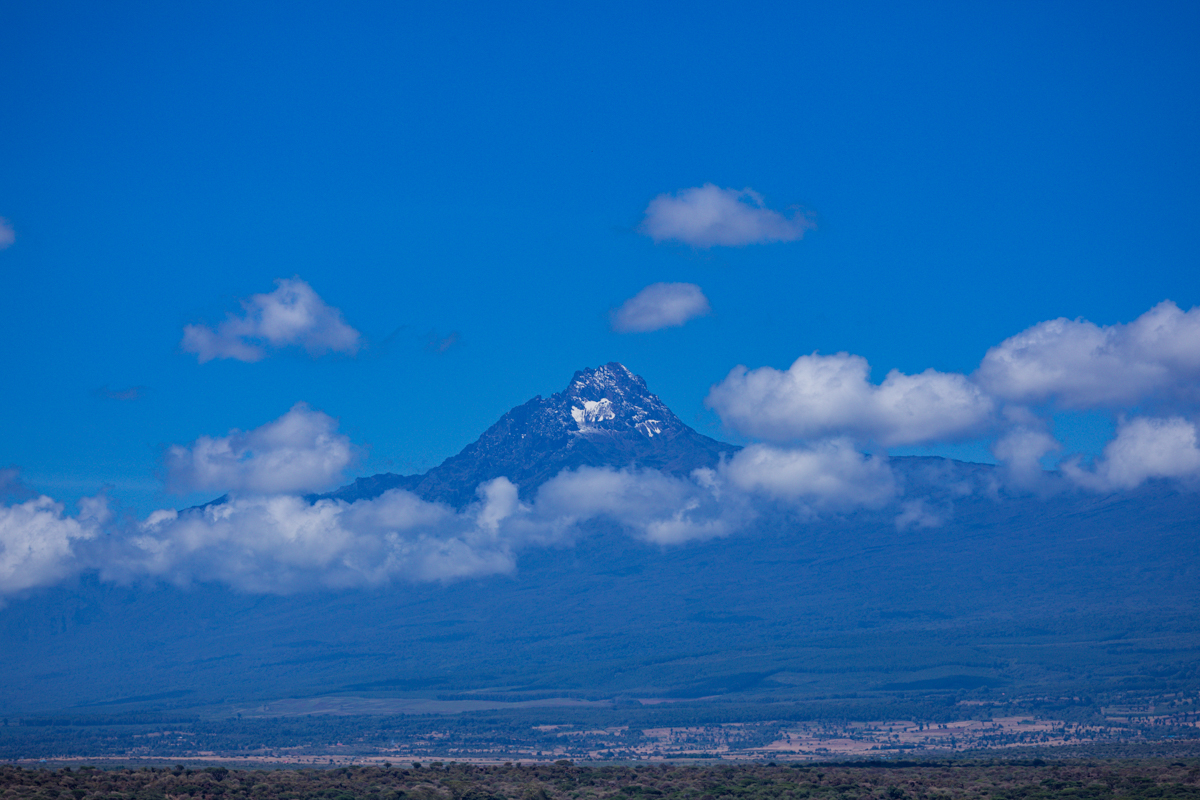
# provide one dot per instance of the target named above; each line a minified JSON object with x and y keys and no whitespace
{"x":38,"y":541}
{"x":282,"y":542}
{"x":292,"y":315}
{"x":1144,"y":448}
{"x":831,"y":474}
{"x":1146,"y":371}
{"x":1080,"y":365}
{"x":660,"y":305}
{"x":707,"y":215}
{"x":823,"y":396}
{"x":301,"y":451}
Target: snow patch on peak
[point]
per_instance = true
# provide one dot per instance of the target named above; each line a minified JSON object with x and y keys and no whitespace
{"x":593,"y":411}
{"x":650,"y":428}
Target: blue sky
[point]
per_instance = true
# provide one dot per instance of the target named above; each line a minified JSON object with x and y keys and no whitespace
{"x":479,"y":175}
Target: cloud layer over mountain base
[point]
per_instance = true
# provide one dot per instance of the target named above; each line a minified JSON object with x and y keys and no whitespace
{"x":285,"y":543}
{"x":815,"y":422}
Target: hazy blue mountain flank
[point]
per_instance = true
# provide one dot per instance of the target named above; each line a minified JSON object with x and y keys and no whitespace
{"x":606,"y":417}
{"x":1066,"y":597}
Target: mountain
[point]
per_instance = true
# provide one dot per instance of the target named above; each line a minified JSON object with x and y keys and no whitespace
{"x":1078,"y":601}
{"x":606,"y":417}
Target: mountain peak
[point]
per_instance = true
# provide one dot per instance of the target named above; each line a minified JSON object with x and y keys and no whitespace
{"x":609,"y":399}
{"x":606,"y":417}
{"x":611,"y":377}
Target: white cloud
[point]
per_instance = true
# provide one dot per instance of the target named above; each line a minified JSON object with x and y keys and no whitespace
{"x":918,"y":514}
{"x":708,"y":215}
{"x":1020,"y":452}
{"x":653,"y":506}
{"x":1144,"y":448}
{"x":1083,"y":365}
{"x":660,"y":305}
{"x":7,"y":234}
{"x":37,"y":541}
{"x":831,"y":474}
{"x":826,"y":396}
{"x":665,"y":509}
{"x":300,"y":451}
{"x":283,"y":544}
{"x":293,"y":314}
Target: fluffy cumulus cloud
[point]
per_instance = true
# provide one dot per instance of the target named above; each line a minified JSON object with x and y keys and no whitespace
{"x":660,"y":305}
{"x":300,"y":451}
{"x":830,"y":396}
{"x":265,"y":543}
{"x":7,"y":235}
{"x":650,"y":505}
{"x":707,"y":215}
{"x":832,"y":474}
{"x":1082,"y":365}
{"x":38,"y":540}
{"x":1144,"y":448}
{"x":283,"y":543}
{"x":292,"y":315}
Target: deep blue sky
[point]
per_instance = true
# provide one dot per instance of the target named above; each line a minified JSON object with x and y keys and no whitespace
{"x":482,"y":169}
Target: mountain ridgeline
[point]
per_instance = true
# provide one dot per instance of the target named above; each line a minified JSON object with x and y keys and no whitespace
{"x":606,"y":417}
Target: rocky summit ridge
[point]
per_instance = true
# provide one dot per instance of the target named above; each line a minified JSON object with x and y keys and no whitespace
{"x":606,"y":417}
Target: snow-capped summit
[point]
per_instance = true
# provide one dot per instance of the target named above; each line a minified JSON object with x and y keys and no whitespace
{"x":608,"y":399}
{"x":614,"y":399}
{"x":606,"y":417}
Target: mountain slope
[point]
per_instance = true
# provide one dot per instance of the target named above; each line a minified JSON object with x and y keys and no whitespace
{"x":606,"y":417}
